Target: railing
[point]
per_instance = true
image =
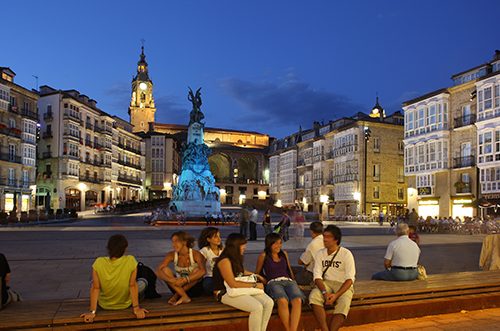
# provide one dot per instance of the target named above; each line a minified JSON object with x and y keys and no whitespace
{"x":10,"y":158}
{"x":108,"y":130}
{"x":464,"y":188}
{"x":129,"y":164}
{"x":465,"y":120}
{"x":129,"y":179}
{"x":88,"y":143}
{"x":129,"y":148}
{"x":13,"y":182}
{"x":89,"y":126}
{"x":47,"y":135}
{"x":464,"y":161}
{"x":30,"y":114}
{"x":69,"y":115}
{"x":46,"y":155}
{"x":13,"y":132}
{"x":72,"y":135}
{"x":98,"y":129}
{"x":48,"y":116}
{"x":91,"y":179}
{"x":91,"y":162}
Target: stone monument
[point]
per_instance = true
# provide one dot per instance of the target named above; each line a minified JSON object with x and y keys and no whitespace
{"x":195,"y":193}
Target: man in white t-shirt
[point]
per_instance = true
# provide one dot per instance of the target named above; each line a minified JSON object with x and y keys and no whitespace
{"x":305,"y":275}
{"x":334,"y":274}
{"x":401,"y":258}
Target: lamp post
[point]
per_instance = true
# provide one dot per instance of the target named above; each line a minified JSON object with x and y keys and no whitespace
{"x":367,"y":134}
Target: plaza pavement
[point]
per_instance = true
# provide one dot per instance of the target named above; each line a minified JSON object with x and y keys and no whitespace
{"x":54,"y":261}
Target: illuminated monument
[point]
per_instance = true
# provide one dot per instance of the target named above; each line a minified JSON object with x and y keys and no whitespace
{"x":196,"y":193}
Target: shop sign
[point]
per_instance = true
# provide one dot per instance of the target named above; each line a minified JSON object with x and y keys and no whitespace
{"x":427,"y":190}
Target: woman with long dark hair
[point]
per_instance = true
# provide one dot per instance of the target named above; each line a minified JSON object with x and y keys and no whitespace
{"x":189,"y":267}
{"x":210,"y":245}
{"x":228,"y":266}
{"x":281,"y":284}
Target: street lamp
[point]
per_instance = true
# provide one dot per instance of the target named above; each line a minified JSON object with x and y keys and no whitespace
{"x":367,"y":134}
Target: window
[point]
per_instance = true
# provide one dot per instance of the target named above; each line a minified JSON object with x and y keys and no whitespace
{"x":376,"y":172}
{"x":401,"y":193}
{"x":376,"y":144}
{"x":401,"y":147}
{"x":401,"y":175}
{"x":376,"y":192}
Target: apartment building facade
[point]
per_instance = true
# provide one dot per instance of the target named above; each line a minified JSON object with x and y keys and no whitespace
{"x":18,"y":131}
{"x":333,"y":174}
{"x":86,"y":156}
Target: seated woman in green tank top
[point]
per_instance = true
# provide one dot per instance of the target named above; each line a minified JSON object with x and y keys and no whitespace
{"x":114,"y":284}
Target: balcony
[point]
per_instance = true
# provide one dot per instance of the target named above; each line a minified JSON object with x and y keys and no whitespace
{"x":88,"y":143}
{"x":47,"y":135}
{"x":72,"y":135}
{"x":90,"y":179}
{"x":48,"y":116}
{"x":13,"y":132}
{"x":73,"y":117}
{"x":10,"y":158}
{"x":464,"y":161}
{"x":46,"y":155}
{"x":29,"y":114}
{"x":89,"y":126}
{"x":129,"y":164}
{"x":108,"y":130}
{"x":129,"y":179}
{"x":465,"y":120}
{"x":91,"y":162}
{"x":462,"y":187}
{"x":129,"y":148}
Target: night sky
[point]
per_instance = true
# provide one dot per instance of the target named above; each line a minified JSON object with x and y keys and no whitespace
{"x":267,"y":66}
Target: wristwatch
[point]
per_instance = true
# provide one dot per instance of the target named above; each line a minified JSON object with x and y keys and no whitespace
{"x":254,"y":285}
{"x":92,"y":312}
{"x":323,"y":292}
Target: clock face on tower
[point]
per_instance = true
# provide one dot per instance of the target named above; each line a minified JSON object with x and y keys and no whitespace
{"x":143,"y":86}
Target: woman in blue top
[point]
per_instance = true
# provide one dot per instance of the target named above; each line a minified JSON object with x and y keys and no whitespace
{"x":280,"y":286}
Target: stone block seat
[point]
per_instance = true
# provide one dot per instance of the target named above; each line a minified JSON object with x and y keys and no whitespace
{"x":374,"y":301}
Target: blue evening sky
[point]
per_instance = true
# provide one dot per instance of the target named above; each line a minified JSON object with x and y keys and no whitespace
{"x":267,"y":66}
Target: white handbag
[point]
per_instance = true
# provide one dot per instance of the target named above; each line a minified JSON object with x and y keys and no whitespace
{"x":236,"y":292}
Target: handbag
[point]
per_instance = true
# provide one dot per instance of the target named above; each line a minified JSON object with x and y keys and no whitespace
{"x":422,"y":273}
{"x":239,"y":291}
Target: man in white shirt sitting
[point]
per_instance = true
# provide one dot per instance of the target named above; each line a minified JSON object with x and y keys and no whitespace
{"x":305,"y":276}
{"x":401,"y":258}
{"x":334,"y":273}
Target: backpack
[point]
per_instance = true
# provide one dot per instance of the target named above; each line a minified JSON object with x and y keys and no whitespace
{"x":143,"y":271}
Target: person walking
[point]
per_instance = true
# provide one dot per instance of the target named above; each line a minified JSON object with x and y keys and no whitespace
{"x":254,"y":215}
{"x":266,"y":223}
{"x":244,"y":216}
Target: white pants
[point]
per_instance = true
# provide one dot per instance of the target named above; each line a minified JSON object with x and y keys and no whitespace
{"x":259,"y":306}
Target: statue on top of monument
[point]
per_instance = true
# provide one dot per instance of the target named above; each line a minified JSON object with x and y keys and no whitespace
{"x":195,"y":116}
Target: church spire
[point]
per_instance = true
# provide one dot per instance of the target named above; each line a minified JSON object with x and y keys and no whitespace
{"x":142,"y":68}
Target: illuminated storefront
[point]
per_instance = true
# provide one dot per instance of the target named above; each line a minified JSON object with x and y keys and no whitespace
{"x":428,"y":207}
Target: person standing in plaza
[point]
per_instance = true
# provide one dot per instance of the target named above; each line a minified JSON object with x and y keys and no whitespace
{"x":283,"y":226}
{"x":254,"y":215}
{"x":334,"y":275}
{"x":266,"y":223}
{"x":210,"y":245}
{"x":114,"y":283}
{"x":413,"y":217}
{"x":280,"y":282}
{"x":401,"y":258}
{"x":305,"y":276}
{"x":227,"y":268}
{"x":189,"y":268}
{"x":299,"y":221}
{"x":244,"y":216}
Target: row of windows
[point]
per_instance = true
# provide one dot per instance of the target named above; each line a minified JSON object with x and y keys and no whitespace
{"x":400,"y":193}
{"x":489,"y":146}
{"x":426,"y":119}
{"x":426,"y":156}
{"x":490,"y":179}
{"x":488,"y":100}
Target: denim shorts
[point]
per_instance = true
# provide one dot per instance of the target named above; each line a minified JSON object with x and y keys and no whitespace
{"x":287,"y":289}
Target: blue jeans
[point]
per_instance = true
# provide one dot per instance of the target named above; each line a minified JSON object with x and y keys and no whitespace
{"x":396,"y":274}
{"x":284,"y":289}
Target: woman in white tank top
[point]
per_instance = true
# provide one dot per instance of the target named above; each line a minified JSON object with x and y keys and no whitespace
{"x":210,"y":245}
{"x":189,"y":267}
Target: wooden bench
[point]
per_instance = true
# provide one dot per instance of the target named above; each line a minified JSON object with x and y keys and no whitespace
{"x":374,"y":301}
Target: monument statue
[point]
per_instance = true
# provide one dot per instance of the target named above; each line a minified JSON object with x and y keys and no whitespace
{"x":196,"y":193}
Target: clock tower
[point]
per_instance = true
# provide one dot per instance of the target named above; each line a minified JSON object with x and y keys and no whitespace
{"x":142,"y":105}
